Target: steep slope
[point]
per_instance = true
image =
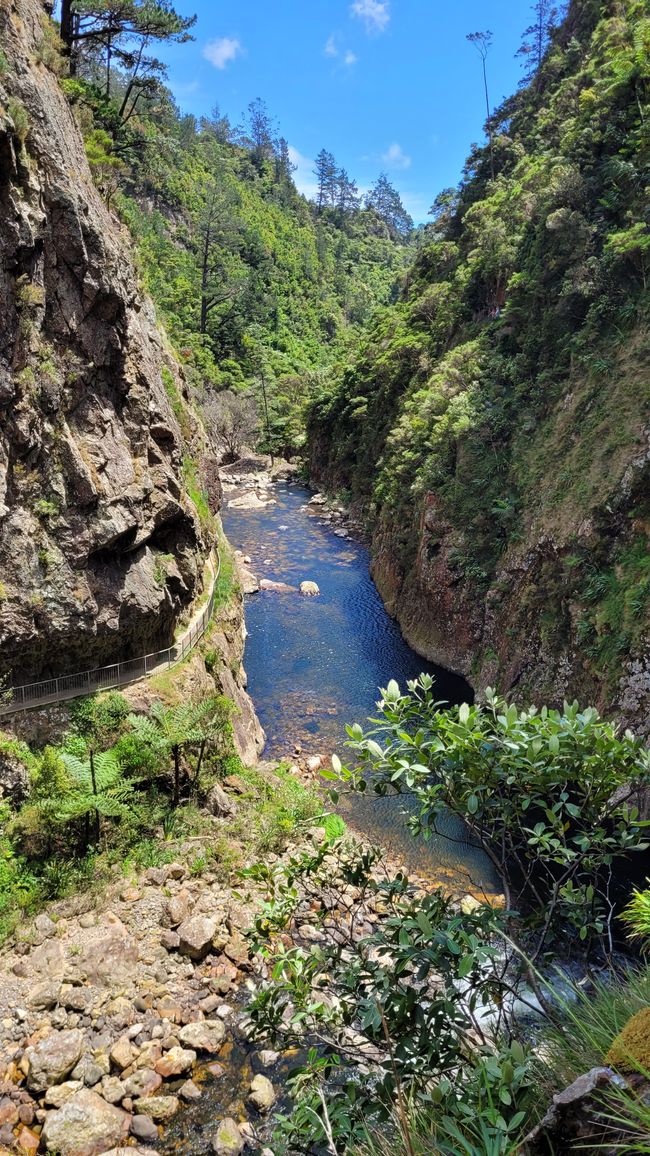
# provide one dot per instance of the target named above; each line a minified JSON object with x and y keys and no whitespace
{"x":100,"y":546}
{"x":495,"y":428}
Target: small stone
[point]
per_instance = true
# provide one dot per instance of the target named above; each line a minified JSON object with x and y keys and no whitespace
{"x":113,"y":1090}
{"x":158,"y":1107}
{"x":44,"y":996}
{"x":309,"y":589}
{"x":204,"y":1036}
{"x":45,"y":926}
{"x":144,"y":1128}
{"x":267,"y":1058}
{"x":142,"y":1083}
{"x":157,"y":876}
{"x":189,"y":1091}
{"x":229,"y":1140}
{"x":87,"y":919}
{"x":130,"y":895}
{"x":122,"y":1053}
{"x":28,"y":1141}
{"x":262,"y":1093}
{"x":175,"y":1062}
{"x":170,"y":940}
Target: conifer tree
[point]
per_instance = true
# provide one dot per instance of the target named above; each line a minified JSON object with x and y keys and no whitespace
{"x":326,"y":174}
{"x":387,"y":203}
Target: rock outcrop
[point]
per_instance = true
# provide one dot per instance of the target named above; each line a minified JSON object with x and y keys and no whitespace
{"x":100,"y":546}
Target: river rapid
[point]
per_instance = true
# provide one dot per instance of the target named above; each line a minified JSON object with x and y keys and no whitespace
{"x":315,"y":664}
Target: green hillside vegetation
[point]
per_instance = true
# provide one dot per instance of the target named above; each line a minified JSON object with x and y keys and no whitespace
{"x":510,"y":380}
{"x":253,"y":282}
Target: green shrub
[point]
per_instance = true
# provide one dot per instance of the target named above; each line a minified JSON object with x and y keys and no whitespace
{"x":637,"y":916}
{"x":534,"y":788}
{"x":20,"y":117}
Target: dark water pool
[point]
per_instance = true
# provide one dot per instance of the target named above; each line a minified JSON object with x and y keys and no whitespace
{"x":315,"y":664}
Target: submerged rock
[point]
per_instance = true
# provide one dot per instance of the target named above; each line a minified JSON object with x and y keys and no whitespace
{"x":250,"y":501}
{"x":278,"y":587}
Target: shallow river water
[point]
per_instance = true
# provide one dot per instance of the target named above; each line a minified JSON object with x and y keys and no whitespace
{"x":315,"y":664}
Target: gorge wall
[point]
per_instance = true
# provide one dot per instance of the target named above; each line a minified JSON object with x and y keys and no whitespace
{"x":495,"y":429}
{"x":101,"y":546}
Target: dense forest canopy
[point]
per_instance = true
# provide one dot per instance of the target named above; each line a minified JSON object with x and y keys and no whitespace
{"x":506,"y":390}
{"x":251,"y":279}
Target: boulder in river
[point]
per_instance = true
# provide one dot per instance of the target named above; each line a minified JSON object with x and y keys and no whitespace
{"x":228,"y":1140}
{"x":309,"y":589}
{"x":278,"y":587}
{"x":203,"y":1036}
{"x":262,"y":1093}
{"x":250,"y":501}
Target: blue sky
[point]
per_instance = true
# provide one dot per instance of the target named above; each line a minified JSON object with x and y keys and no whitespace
{"x":387,"y":85}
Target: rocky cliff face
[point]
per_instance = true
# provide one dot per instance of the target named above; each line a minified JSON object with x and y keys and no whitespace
{"x":100,"y":546}
{"x":494,"y":428}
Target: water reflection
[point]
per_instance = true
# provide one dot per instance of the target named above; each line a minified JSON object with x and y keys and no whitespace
{"x":315,"y":664}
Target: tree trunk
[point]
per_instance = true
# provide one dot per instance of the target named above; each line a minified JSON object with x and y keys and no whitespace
{"x":177,"y":775}
{"x":66,"y":24}
{"x":205,"y":277}
{"x":199,"y":761}
{"x":94,"y":783}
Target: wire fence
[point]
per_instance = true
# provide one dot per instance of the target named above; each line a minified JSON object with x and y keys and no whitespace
{"x":52,"y":690}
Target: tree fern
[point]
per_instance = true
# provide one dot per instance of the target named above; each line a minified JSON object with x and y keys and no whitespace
{"x":97,"y":788}
{"x":176,"y":728}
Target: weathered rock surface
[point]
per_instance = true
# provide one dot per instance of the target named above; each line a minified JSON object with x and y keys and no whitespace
{"x":51,"y":1060}
{"x":203,"y":1036}
{"x":229,"y":1140}
{"x":262,"y":1093}
{"x":90,"y":448}
{"x":196,"y":935}
{"x":85,"y":1126}
{"x":309,"y":589}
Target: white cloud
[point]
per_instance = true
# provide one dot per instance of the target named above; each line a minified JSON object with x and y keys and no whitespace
{"x":332,"y":49}
{"x":374,"y":13}
{"x":304,"y":178}
{"x":394,"y":158}
{"x":223,"y":51}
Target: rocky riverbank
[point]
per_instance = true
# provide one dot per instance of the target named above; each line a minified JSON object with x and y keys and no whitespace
{"x":118,"y":1011}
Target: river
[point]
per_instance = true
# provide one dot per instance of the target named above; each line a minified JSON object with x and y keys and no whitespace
{"x":315,"y":664}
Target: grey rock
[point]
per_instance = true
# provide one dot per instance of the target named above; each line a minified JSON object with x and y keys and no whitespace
{"x":85,"y":1125}
{"x":50,"y":1061}
{"x":196,"y":934}
{"x":203,"y":1036}
{"x":262,"y":1093}
{"x":143,"y":1128}
{"x":219,"y":803}
{"x":228,"y":1140}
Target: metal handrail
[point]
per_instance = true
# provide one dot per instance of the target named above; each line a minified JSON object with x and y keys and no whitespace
{"x":85,"y":682}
